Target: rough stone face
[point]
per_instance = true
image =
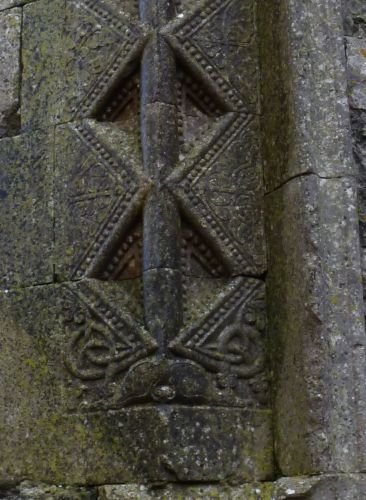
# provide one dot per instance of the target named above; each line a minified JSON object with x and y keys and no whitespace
{"x":355,"y":18}
{"x":10,"y":24}
{"x":356,"y":62}
{"x":26,"y":222}
{"x":315,"y":295}
{"x":7,"y":4}
{"x":304,"y":86}
{"x":326,"y":487}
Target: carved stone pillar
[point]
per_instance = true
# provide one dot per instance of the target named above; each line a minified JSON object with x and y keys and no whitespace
{"x":181,"y":293}
{"x":138,"y":338}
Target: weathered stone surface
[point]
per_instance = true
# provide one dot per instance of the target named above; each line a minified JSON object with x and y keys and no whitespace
{"x":174,"y":492}
{"x":356,"y":59}
{"x":7,"y":4}
{"x":110,"y":383}
{"x":219,"y":188}
{"x":221,"y":50}
{"x":69,"y":419}
{"x":152,"y":444}
{"x":99,"y":195}
{"x":356,"y":63}
{"x":317,"y":326}
{"x":325,"y":487}
{"x":109,"y":352}
{"x":305,"y":109}
{"x":358,"y":125}
{"x":26,"y":223}
{"x":10,"y":24}
{"x":29,"y":491}
{"x":355,"y":25}
{"x":72,"y":54}
{"x":355,"y":17}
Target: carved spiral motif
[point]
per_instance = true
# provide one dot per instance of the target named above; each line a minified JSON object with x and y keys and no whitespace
{"x":239,"y":345}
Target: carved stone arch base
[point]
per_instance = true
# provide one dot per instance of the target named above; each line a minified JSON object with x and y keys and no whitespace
{"x":181,"y":290}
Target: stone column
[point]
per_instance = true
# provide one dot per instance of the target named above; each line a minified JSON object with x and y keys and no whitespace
{"x":314,"y":280}
{"x":134,"y":343}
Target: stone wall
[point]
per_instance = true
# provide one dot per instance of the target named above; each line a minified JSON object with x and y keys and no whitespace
{"x":288,"y":418}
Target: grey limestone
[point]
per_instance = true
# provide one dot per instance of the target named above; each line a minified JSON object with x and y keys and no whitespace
{"x":316,"y":313}
{"x":304,"y":88}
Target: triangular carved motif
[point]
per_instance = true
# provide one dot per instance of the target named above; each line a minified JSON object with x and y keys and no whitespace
{"x":122,"y":107}
{"x":129,"y":190}
{"x":125,"y":263}
{"x":218,"y":203}
{"x":228,"y":337}
{"x":102,"y":341}
{"x":129,"y":42}
{"x":198,"y":259}
{"x":198,"y":113}
{"x":201,"y":59}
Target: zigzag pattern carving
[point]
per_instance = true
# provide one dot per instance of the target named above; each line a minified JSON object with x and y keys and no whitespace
{"x":212,"y":181}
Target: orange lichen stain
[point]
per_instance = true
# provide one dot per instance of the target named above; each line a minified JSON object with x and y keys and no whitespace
{"x":363,"y":52}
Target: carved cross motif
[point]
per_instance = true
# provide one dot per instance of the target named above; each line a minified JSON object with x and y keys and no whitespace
{"x":224,"y":341}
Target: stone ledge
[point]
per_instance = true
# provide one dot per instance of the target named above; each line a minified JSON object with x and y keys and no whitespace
{"x":326,"y":487}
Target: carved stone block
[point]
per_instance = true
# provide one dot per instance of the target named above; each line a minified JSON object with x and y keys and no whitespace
{"x":26,"y":222}
{"x":159,"y":314}
{"x":220,"y":43}
{"x":99,"y":195}
{"x":81,"y":47}
{"x":222,"y":352}
{"x":71,"y":346}
{"x":218,"y":187}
